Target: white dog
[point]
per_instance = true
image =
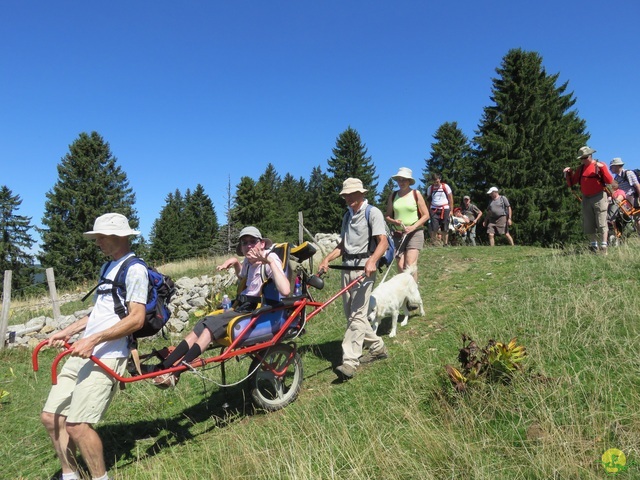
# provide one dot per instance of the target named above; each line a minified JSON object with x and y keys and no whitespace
{"x":389,"y":297}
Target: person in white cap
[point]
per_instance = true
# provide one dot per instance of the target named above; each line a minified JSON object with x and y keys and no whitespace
{"x":628,"y":182}
{"x":593,"y":177}
{"x":84,"y":390}
{"x":498,"y":218}
{"x":356,"y":235}
{"x":407,"y":212}
{"x":257,"y":254}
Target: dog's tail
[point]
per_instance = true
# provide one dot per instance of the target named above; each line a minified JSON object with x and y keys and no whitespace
{"x":411,"y":269}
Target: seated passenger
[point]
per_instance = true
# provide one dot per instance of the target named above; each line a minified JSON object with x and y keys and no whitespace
{"x":254,"y":248}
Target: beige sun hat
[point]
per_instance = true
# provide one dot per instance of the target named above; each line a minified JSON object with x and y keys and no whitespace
{"x":351,"y":185}
{"x":616,"y":161}
{"x":585,"y":152}
{"x":251,"y":232}
{"x":111,"y":224}
{"x":404,"y":172}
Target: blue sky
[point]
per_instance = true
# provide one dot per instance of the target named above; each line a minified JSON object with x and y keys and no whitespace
{"x":209,"y":91}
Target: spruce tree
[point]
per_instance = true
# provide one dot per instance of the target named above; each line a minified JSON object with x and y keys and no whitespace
{"x":90,"y":183}
{"x":318,"y":203}
{"x":245,"y":210}
{"x":168,"y":236}
{"x":200,"y":223}
{"x":292,"y":194}
{"x":15,"y":242}
{"x":451,"y":158}
{"x":524,"y":140}
{"x":268,"y":204}
{"x":349,"y":160}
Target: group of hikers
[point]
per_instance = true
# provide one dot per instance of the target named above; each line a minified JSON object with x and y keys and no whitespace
{"x":84,"y":390}
{"x":446,"y":223}
{"x":603,"y":191}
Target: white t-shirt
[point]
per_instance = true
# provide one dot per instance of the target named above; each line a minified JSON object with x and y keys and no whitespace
{"x":103,"y":315}
{"x":439,"y":198}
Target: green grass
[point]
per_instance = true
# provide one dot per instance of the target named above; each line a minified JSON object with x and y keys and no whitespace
{"x":578,"y":396}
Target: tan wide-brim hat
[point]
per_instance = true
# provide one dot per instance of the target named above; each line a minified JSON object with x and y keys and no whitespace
{"x":585,"y":152}
{"x":351,"y":185}
{"x":406,"y":173}
{"x":111,"y":224}
{"x":251,"y":232}
{"x":616,"y":161}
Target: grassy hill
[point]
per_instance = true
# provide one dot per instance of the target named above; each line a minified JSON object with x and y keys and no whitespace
{"x":578,"y":396}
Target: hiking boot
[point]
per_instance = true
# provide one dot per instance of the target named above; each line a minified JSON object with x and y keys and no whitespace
{"x":167,"y":380}
{"x":380,"y":354}
{"x":345,"y":371}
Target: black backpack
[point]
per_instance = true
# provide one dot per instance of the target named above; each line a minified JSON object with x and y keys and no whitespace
{"x":161,"y":289}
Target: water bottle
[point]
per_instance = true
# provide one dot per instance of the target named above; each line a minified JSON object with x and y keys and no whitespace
{"x":297,"y":291}
{"x":226,"y":303}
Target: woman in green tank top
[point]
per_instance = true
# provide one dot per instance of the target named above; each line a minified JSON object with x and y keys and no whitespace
{"x":407,"y":213}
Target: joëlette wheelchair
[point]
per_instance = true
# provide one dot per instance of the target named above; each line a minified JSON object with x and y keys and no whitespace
{"x":266,"y":335}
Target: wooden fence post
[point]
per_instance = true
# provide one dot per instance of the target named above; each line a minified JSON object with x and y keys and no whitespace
{"x":6,"y":303}
{"x":51,"y":281}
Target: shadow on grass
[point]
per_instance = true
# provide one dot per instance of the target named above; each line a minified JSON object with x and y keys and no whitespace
{"x":122,"y":442}
{"x":223,"y":407}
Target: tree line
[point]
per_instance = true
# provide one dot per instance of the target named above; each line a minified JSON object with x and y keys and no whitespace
{"x":524,"y":139}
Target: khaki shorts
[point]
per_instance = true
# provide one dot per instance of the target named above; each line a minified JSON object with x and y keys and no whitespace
{"x":498,"y":227}
{"x":415,"y":240}
{"x":84,"y":390}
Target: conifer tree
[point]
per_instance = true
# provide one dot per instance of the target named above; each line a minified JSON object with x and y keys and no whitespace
{"x":200,"y":223}
{"x":387,"y":191}
{"x":90,"y":183}
{"x":349,"y":160}
{"x":292,"y":195}
{"x":245,"y":209}
{"x":267,"y":203}
{"x":168,"y":236}
{"x":15,"y":242}
{"x":524,"y":140}
{"x":451,"y":158}
{"x":319,"y":203}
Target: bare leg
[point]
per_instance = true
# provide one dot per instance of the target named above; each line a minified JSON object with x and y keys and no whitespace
{"x":411,"y":257}
{"x":63,"y":445}
{"x":90,"y":446}
{"x":492,"y":239}
{"x":508,"y":235}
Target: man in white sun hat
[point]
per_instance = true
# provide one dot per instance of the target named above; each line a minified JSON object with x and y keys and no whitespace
{"x":593,"y":177}
{"x":356,"y":234}
{"x":84,"y":391}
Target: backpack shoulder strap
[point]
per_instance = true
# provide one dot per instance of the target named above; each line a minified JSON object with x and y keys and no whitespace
{"x":120,"y":283}
{"x":101,"y":281}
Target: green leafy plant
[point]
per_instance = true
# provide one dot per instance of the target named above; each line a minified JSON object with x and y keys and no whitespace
{"x":496,"y":362}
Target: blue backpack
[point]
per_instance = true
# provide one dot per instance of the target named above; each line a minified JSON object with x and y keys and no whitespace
{"x":389,"y":255}
{"x":161,"y":289}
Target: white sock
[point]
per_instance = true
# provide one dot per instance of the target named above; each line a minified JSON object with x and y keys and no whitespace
{"x":70,"y":476}
{"x":103,"y":477}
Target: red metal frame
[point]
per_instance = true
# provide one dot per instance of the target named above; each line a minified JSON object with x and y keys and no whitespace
{"x":233,"y":350}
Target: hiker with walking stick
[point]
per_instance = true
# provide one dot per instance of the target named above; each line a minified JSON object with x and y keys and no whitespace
{"x":593,"y":177}
{"x":407,"y":214}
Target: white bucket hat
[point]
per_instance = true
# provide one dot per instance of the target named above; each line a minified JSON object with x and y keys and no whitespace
{"x":405,"y":172}
{"x":351,"y":185}
{"x":616,"y":161}
{"x":585,"y":152}
{"x":111,"y":224}
{"x":491,"y":190}
{"x":251,"y":232}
